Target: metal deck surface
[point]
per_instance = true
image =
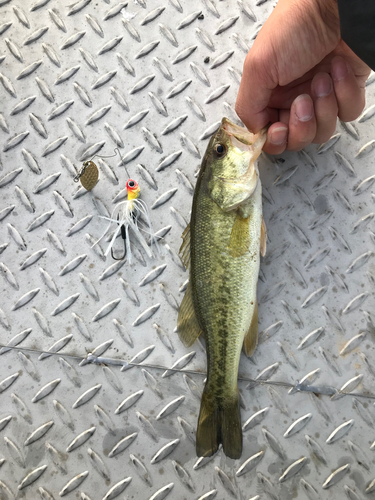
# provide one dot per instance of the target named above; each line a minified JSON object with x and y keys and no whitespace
{"x":153,"y":78}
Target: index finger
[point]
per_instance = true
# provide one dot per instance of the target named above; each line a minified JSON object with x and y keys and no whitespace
{"x":253,"y":97}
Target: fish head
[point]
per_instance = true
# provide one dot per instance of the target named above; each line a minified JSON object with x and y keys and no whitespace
{"x":231,"y":164}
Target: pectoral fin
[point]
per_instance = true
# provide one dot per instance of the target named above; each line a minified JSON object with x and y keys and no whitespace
{"x":251,"y":338}
{"x":185,"y":247}
{"x":263,"y":238}
{"x":188,"y":328}
{"x":239,"y":242}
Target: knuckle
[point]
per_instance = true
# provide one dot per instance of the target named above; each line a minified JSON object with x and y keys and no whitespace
{"x":322,"y":137}
{"x":259,"y":65}
{"x":350,"y":115}
{"x":251,"y":60}
{"x":297,"y":147}
{"x":300,"y":140}
{"x":352,"y":108}
{"x":361,"y":104}
{"x":325,"y":132}
{"x":306,"y":138}
{"x":240,"y":108}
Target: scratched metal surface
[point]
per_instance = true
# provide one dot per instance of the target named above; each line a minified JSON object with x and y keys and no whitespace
{"x":153,"y":79}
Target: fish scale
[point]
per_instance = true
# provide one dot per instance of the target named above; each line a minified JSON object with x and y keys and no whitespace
{"x":226,"y":307}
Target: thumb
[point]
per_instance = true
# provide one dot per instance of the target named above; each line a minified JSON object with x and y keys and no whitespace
{"x":254,"y":95}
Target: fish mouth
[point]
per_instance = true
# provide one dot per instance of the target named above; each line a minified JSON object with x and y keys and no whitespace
{"x":241,"y":134}
{"x":242,"y":138}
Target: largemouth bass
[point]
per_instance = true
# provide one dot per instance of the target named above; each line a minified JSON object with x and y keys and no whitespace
{"x":221,"y":247}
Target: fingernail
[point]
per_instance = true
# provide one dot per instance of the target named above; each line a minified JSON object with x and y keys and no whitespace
{"x":278,"y":135}
{"x":304,"y":108}
{"x":323,"y":86}
{"x":339,"y":69}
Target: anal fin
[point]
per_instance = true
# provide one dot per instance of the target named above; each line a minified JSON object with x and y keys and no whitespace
{"x":185,"y":247}
{"x":251,"y":338}
{"x":188,"y":328}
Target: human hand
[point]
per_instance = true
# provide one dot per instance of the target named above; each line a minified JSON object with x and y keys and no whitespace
{"x":300,"y":75}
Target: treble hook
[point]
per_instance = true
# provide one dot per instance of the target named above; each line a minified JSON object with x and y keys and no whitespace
{"x":123,"y":236}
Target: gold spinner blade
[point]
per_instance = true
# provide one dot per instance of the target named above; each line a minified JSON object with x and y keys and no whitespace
{"x":89,"y":175}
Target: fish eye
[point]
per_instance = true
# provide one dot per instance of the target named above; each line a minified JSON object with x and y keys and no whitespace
{"x":220,"y":150}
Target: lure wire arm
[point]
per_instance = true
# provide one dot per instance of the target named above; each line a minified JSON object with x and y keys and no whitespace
{"x":85,"y":164}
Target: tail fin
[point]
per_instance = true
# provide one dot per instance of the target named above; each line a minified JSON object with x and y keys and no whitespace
{"x":219,"y":423}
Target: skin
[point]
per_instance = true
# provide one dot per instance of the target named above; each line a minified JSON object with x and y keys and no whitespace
{"x":223,"y":305}
{"x":300,"y":76}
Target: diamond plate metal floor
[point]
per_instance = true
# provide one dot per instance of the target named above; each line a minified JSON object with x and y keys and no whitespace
{"x":153,"y":79}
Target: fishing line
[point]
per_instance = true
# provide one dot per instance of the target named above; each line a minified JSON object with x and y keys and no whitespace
{"x":104,"y":361}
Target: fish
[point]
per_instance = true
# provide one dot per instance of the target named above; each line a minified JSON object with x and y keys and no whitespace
{"x":221,"y":249}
